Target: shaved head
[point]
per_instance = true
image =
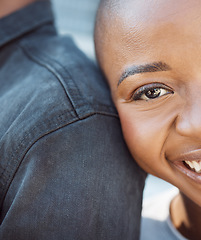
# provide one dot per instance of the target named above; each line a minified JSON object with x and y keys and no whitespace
{"x":124,"y":26}
{"x":106,"y":14}
{"x":113,"y":16}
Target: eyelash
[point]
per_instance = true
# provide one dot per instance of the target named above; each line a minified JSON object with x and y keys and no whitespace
{"x":137,"y":94}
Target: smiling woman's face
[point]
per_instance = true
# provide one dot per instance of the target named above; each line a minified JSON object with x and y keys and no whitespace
{"x":152,"y":59}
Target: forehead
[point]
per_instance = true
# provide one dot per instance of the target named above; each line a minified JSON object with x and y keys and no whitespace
{"x":140,"y":26}
{"x":153,"y":16}
{"x":151,"y":11}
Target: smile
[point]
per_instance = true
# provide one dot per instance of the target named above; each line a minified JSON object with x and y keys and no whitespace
{"x":192,"y":169}
{"x":189,"y":164}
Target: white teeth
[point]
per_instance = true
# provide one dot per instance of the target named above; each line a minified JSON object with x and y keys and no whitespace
{"x":195,"y":165}
{"x":190,"y":164}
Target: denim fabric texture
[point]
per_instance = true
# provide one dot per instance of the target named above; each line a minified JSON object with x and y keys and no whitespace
{"x":65,"y":171}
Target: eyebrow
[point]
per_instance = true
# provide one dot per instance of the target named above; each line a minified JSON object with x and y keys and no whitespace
{"x":151,"y":67}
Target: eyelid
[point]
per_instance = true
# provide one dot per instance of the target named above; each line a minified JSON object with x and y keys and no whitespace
{"x":141,"y":90}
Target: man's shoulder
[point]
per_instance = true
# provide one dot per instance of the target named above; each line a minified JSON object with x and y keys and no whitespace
{"x":49,"y":84}
{"x":82,"y":81}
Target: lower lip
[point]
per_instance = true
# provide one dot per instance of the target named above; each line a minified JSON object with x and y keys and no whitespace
{"x":196,"y":177}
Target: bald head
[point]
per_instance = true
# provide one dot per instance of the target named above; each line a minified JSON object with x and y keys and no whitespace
{"x":105,"y":16}
{"x":114,"y":17}
{"x":126,"y":30}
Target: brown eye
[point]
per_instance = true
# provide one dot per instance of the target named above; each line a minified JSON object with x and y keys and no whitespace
{"x":151,"y":91}
{"x":154,"y":93}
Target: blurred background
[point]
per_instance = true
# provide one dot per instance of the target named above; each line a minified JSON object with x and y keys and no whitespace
{"x":76,"y":18}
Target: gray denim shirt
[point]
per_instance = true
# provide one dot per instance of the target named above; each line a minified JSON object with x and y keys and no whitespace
{"x":65,"y":171}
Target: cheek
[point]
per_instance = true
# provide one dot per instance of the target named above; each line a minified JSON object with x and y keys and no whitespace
{"x":135,"y":134}
{"x":141,"y":137}
{"x":145,"y":134}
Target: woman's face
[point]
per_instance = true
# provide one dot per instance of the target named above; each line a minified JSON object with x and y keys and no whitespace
{"x":153,"y":63}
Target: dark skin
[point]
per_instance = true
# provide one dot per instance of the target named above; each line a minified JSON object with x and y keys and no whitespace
{"x":150,"y":54}
{"x":185,"y":215}
{"x":9,"y":6}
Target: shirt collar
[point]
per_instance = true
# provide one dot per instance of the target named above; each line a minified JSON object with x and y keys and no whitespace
{"x":25,"y":20}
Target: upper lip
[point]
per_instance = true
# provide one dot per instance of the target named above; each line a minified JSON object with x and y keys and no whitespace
{"x":193,"y":155}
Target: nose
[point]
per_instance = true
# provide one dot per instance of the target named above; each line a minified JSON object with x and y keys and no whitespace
{"x":188,"y":122}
